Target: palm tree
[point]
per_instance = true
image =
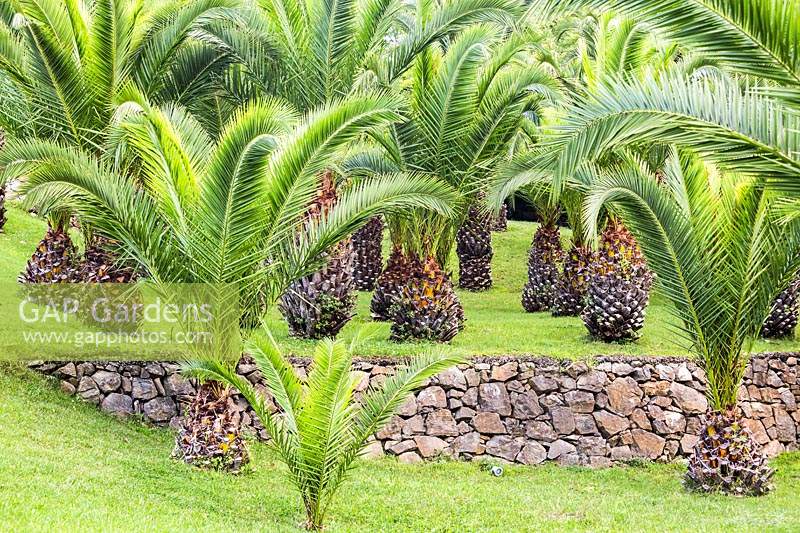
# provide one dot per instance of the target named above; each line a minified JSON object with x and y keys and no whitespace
{"x":64,"y":64}
{"x":467,"y":104}
{"x":742,"y":117}
{"x":747,"y":127}
{"x":230,"y":212}
{"x":311,"y":53}
{"x":612,"y":48}
{"x":719,"y":249}
{"x":319,"y":431}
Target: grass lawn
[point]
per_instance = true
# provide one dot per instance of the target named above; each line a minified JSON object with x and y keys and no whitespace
{"x":65,"y":466}
{"x":496,"y":322}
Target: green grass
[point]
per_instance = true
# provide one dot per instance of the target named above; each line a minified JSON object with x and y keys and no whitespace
{"x":496,"y":323}
{"x":65,"y":466}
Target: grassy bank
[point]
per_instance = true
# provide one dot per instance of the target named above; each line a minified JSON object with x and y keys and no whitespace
{"x":66,"y":466}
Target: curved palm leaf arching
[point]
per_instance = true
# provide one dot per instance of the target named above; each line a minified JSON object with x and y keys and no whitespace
{"x":66,"y":62}
{"x":717,"y":244}
{"x":229,"y":212}
{"x":466,"y":106}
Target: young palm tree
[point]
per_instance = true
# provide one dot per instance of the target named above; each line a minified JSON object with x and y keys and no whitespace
{"x":611,"y":49}
{"x":319,"y":430}
{"x":230,"y":212}
{"x":466,"y":106}
{"x":719,"y":249}
{"x":63,"y":64}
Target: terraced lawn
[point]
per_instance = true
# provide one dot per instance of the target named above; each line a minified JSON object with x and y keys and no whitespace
{"x":496,"y":323}
{"x":66,"y":466}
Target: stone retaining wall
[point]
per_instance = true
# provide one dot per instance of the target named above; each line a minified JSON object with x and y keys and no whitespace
{"x":520,"y":410}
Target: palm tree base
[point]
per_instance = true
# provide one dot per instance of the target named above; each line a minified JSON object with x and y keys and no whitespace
{"x":475,"y":273}
{"x":727,"y":459}
{"x":53,"y":261}
{"x":616,"y":305}
{"x":389,"y":283}
{"x":427,"y":307}
{"x":319,"y":305}
{"x":210,"y":433}
{"x":782,"y":319}
{"x":570,"y":296}
{"x":500,"y":222}
{"x":536,"y":298}
{"x":543,"y":258}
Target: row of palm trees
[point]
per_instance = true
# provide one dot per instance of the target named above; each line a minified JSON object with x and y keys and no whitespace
{"x":716,"y":218}
{"x":228,"y":141}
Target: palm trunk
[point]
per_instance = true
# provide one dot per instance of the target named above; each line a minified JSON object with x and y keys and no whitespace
{"x":619,"y":287}
{"x":388,"y":285}
{"x":53,"y":261}
{"x":3,"y":218}
{"x":782,"y":319}
{"x":570,"y":296}
{"x":500,"y":222}
{"x":474,"y":249}
{"x":320,"y":304}
{"x":427,"y":307}
{"x":727,"y":459}
{"x":210,"y":433}
{"x":543,"y":259}
{"x":368,"y":259}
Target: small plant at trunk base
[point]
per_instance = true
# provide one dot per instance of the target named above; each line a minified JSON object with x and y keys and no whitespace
{"x":368,"y":255}
{"x":319,"y":430}
{"x":720,"y":249}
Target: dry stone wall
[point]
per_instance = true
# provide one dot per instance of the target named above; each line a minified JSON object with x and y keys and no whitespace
{"x":509,"y":409}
